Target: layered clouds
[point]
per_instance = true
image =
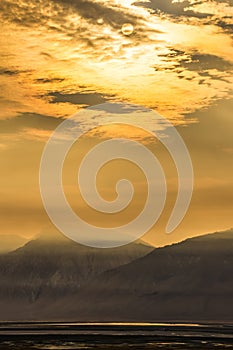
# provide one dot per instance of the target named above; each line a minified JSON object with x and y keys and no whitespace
{"x":78,"y":47}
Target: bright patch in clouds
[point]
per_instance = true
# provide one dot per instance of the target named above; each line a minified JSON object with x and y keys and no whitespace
{"x":83,"y":43}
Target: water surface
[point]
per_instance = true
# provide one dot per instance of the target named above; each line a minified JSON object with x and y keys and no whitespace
{"x":58,"y":335}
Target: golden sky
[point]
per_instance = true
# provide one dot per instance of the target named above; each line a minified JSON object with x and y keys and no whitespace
{"x":60,"y":56}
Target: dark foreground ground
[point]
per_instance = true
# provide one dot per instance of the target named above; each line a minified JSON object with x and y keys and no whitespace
{"x":115,"y":336}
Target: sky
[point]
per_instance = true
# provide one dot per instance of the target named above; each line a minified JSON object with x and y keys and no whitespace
{"x":59,"y":57}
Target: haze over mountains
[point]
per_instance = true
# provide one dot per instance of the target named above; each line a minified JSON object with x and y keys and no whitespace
{"x":53,"y":268}
{"x":191,"y":280}
{"x":11,"y":242}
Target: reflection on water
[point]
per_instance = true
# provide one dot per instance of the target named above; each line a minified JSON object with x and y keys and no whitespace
{"x":45,"y":335}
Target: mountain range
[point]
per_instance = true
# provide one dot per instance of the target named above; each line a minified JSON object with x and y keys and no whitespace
{"x":188,"y":281}
{"x":52,"y":268}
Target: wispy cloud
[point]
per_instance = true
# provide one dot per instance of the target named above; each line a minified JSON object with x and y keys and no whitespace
{"x":28,"y":121}
{"x":173,"y":8}
{"x":87,"y":22}
{"x":205,"y":66}
{"x":189,"y":8}
{"x":78,"y":98}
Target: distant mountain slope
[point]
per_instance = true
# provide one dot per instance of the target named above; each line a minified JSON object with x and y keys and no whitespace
{"x":11,"y":242}
{"x":189,"y":281}
{"x":58,"y":267}
{"x":192,"y":280}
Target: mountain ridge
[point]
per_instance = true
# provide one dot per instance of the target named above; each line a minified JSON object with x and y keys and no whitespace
{"x":190,"y":280}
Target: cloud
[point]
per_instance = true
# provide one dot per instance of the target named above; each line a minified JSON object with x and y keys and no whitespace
{"x":84,"y":98}
{"x":207,"y":66}
{"x":57,"y":14}
{"x":83,"y":41}
{"x":201,"y":62}
{"x":224,"y":24}
{"x":26,"y":121}
{"x":88,"y":23}
{"x":213,"y":132}
{"x":196,"y":61}
{"x":120,"y":108}
{"x":93,"y":10}
{"x":8,"y":72}
{"x":49,"y":80}
{"x":215,"y":12}
{"x":172,"y":8}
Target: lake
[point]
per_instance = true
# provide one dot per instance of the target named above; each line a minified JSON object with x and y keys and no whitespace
{"x":58,"y":335}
